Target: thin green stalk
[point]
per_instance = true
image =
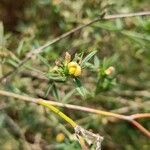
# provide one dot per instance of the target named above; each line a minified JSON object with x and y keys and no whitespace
{"x":58,"y":112}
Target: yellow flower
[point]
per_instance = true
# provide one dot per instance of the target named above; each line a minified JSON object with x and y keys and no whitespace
{"x":74,"y":69}
{"x":60,"y":137}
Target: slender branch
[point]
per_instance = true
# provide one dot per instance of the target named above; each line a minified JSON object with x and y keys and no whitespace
{"x":147,"y":13}
{"x":140,"y":127}
{"x":41,"y":49}
{"x":75,"y":107}
{"x":138,"y":116}
{"x":130,"y":118}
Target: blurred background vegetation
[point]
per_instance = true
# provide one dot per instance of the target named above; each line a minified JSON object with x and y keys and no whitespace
{"x":121,"y":43}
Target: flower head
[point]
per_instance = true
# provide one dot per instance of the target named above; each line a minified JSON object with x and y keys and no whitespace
{"x":74,"y":69}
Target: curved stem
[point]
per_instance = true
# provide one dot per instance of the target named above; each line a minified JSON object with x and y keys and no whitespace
{"x":141,"y":128}
{"x":57,"y":111}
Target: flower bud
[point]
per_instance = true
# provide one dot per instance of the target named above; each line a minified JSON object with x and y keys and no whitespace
{"x":57,"y":62}
{"x":74,"y":69}
{"x":60,"y":137}
{"x":54,"y":69}
{"x":67,"y":57}
{"x":110,"y":70}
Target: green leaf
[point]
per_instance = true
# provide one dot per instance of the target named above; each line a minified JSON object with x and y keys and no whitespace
{"x":55,"y":77}
{"x":20,"y":47}
{"x":55,"y":92}
{"x":58,"y":78}
{"x":44,"y":60}
{"x":12,"y":62}
{"x":48,"y":89}
{"x":87,"y":58}
{"x":82,"y":91}
{"x":96,"y":62}
{"x":68,"y":95}
{"x":134,"y":35}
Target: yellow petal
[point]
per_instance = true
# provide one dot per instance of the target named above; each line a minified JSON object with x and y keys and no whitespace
{"x":77,"y":71}
{"x":72,"y":70}
{"x":72,"y":64}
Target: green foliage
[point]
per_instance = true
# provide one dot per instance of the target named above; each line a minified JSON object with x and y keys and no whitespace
{"x":113,"y":55}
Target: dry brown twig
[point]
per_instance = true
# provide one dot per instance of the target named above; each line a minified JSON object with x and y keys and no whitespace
{"x":36,"y":51}
{"x":130,"y":118}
